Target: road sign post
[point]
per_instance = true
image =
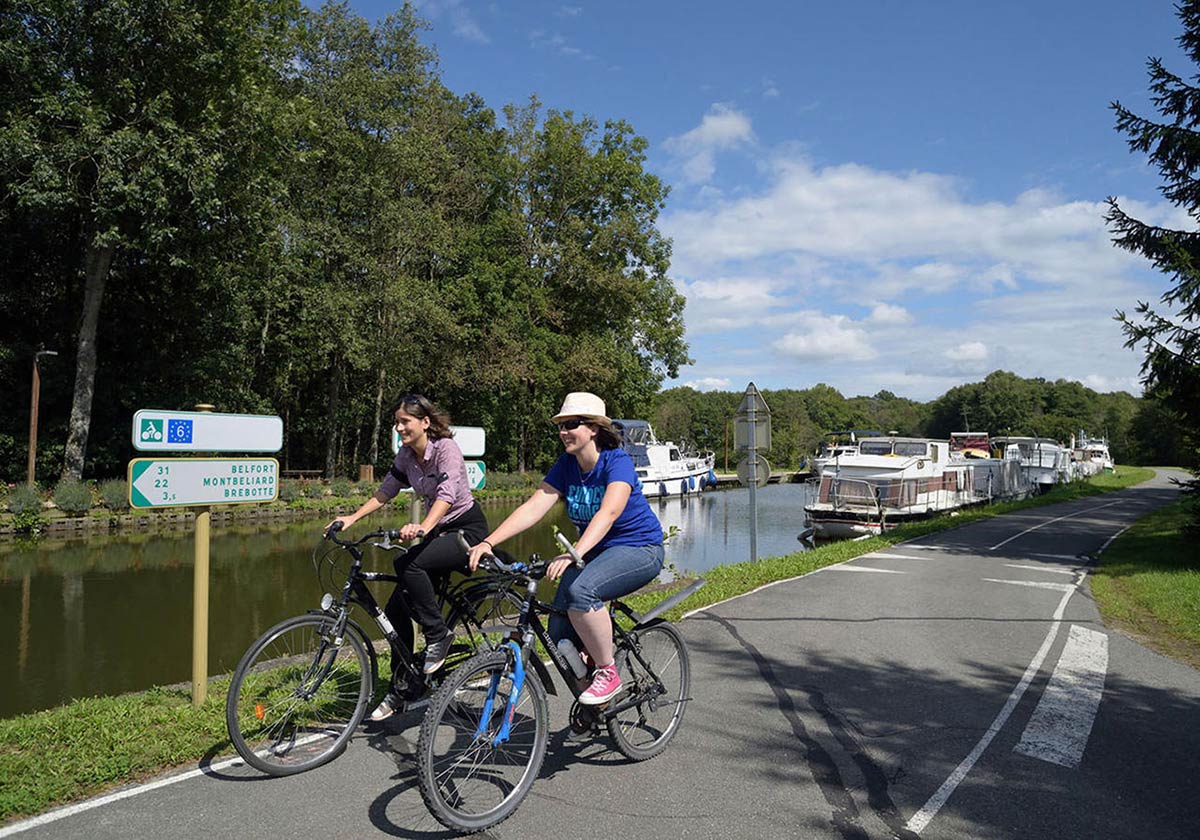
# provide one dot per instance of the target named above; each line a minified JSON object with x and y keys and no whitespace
{"x":200,"y":482}
{"x":752,"y":430}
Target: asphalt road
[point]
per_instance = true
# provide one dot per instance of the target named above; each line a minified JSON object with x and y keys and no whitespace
{"x":959,"y":686}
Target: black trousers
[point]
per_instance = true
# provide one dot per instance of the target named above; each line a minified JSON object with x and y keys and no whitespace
{"x":438,"y":554}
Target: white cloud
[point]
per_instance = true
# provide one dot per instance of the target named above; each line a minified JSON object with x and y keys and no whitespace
{"x":1027,"y":284}
{"x":769,"y":89}
{"x":886,"y":313}
{"x":462,"y":21}
{"x":968,"y":351}
{"x":820,"y":336}
{"x":709,"y":383}
{"x":695,"y":151}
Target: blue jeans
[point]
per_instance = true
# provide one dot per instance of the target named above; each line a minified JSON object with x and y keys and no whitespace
{"x":615,"y":571}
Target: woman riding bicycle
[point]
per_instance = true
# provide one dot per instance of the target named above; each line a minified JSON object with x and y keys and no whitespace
{"x":430,"y":462}
{"x":620,"y":538}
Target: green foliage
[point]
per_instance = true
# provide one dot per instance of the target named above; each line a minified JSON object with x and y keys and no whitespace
{"x":290,"y":490}
{"x":365,"y":488}
{"x":313,"y":489}
{"x":1169,"y":335}
{"x":24,"y":499}
{"x":28,"y":522}
{"x":114,"y":494}
{"x":342,"y":488}
{"x":73,"y":497}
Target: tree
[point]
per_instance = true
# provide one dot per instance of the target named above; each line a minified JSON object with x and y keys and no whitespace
{"x":132,"y":125}
{"x":1168,"y":332}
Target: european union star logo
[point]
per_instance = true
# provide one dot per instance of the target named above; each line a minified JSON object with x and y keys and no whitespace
{"x":179,"y":431}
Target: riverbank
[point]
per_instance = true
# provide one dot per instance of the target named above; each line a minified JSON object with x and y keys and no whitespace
{"x":91,"y":745}
{"x":100,"y":520}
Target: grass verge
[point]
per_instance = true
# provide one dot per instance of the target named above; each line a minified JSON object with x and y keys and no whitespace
{"x":92,"y":745}
{"x":1148,"y":583}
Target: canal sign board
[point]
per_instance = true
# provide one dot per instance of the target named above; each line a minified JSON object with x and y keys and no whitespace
{"x":201,"y":431}
{"x":472,"y":440}
{"x":176,"y":482}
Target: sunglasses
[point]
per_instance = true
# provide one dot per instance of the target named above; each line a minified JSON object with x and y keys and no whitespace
{"x":570,"y":425}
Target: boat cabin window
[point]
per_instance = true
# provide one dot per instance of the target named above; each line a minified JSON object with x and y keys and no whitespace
{"x":910,"y":448}
{"x":875,"y":447}
{"x":675,"y":456}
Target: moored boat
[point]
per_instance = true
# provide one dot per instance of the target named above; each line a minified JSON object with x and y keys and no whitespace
{"x":663,"y":467}
{"x":888,"y":482}
{"x":1043,"y":460}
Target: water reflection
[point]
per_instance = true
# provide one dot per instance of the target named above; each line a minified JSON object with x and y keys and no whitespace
{"x":114,"y":614}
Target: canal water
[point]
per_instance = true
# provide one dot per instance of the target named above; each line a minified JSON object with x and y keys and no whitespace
{"x":113,"y":614}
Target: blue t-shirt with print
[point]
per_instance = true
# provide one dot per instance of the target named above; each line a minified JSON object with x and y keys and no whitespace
{"x":637,"y":524}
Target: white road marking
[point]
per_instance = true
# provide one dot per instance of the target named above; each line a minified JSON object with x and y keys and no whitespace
{"x":1108,"y":541}
{"x":847,"y":568}
{"x":1056,"y":556}
{"x":1041,"y":569}
{"x":71,"y":810}
{"x":921,"y":818}
{"x":886,"y":556}
{"x":1036,"y":584}
{"x":1059,"y":728}
{"x":1051,"y":522}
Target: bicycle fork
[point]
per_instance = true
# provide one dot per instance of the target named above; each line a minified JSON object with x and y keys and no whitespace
{"x":514,"y":697}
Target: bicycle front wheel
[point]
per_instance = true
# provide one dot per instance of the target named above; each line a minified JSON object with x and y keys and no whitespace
{"x":653,"y":664}
{"x":297,"y":695}
{"x":470,"y":778}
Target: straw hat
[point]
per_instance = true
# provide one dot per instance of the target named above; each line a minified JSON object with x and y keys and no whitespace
{"x":583,"y":404}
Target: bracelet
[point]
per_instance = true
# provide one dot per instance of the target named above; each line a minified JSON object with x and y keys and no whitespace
{"x":489,"y":543}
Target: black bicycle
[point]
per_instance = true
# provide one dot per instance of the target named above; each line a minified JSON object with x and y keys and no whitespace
{"x":484,"y":735}
{"x":303,"y":687}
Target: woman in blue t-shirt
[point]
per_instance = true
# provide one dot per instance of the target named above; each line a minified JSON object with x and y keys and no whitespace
{"x":620,"y":538}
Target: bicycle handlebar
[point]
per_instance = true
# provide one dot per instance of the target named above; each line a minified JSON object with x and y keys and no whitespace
{"x":388,"y":534}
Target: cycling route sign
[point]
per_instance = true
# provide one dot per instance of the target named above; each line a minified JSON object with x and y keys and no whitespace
{"x":205,"y":431}
{"x":180,"y":482}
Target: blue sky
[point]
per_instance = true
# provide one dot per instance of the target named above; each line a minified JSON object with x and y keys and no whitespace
{"x":898,"y":194}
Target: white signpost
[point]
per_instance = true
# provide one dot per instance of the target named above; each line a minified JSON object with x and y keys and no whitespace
{"x":200,"y":482}
{"x":180,"y":482}
{"x":202,"y":431}
{"x":471,"y":440}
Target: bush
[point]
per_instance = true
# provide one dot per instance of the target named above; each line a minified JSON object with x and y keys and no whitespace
{"x":24,"y":499}
{"x":513,"y":481}
{"x":73,"y":497}
{"x":314,"y":489}
{"x":114,"y":494}
{"x":289,"y":490}
{"x":365,"y":488}
{"x":28,"y":522}
{"x":342,"y":488}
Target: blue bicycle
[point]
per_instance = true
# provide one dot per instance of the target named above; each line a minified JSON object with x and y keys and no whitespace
{"x":483,"y":738}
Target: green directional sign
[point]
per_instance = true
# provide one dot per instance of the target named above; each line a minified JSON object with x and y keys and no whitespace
{"x":476,"y":474}
{"x":179,"y":482}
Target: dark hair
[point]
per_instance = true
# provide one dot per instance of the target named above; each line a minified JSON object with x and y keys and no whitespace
{"x":606,"y":437}
{"x":420,"y":407}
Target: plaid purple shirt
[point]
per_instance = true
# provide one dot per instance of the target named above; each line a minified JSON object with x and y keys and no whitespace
{"x":441,"y":456}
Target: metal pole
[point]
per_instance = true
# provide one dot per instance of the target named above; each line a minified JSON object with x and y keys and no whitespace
{"x":753,"y":416}
{"x":33,"y":419}
{"x":200,"y":599}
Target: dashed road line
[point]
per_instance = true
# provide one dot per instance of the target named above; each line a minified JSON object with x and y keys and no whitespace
{"x":1041,"y":569}
{"x":1036,"y":584}
{"x":844,"y":567}
{"x":1059,"y":728}
{"x":1051,"y":522}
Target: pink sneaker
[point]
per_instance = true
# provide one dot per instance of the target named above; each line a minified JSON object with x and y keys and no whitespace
{"x":606,"y":685}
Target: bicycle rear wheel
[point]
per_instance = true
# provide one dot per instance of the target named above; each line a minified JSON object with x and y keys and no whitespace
{"x":653,"y":664}
{"x":297,"y":697}
{"x":468,"y":780}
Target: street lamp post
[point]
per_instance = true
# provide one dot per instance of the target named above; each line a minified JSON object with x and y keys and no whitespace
{"x":33,"y":411}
